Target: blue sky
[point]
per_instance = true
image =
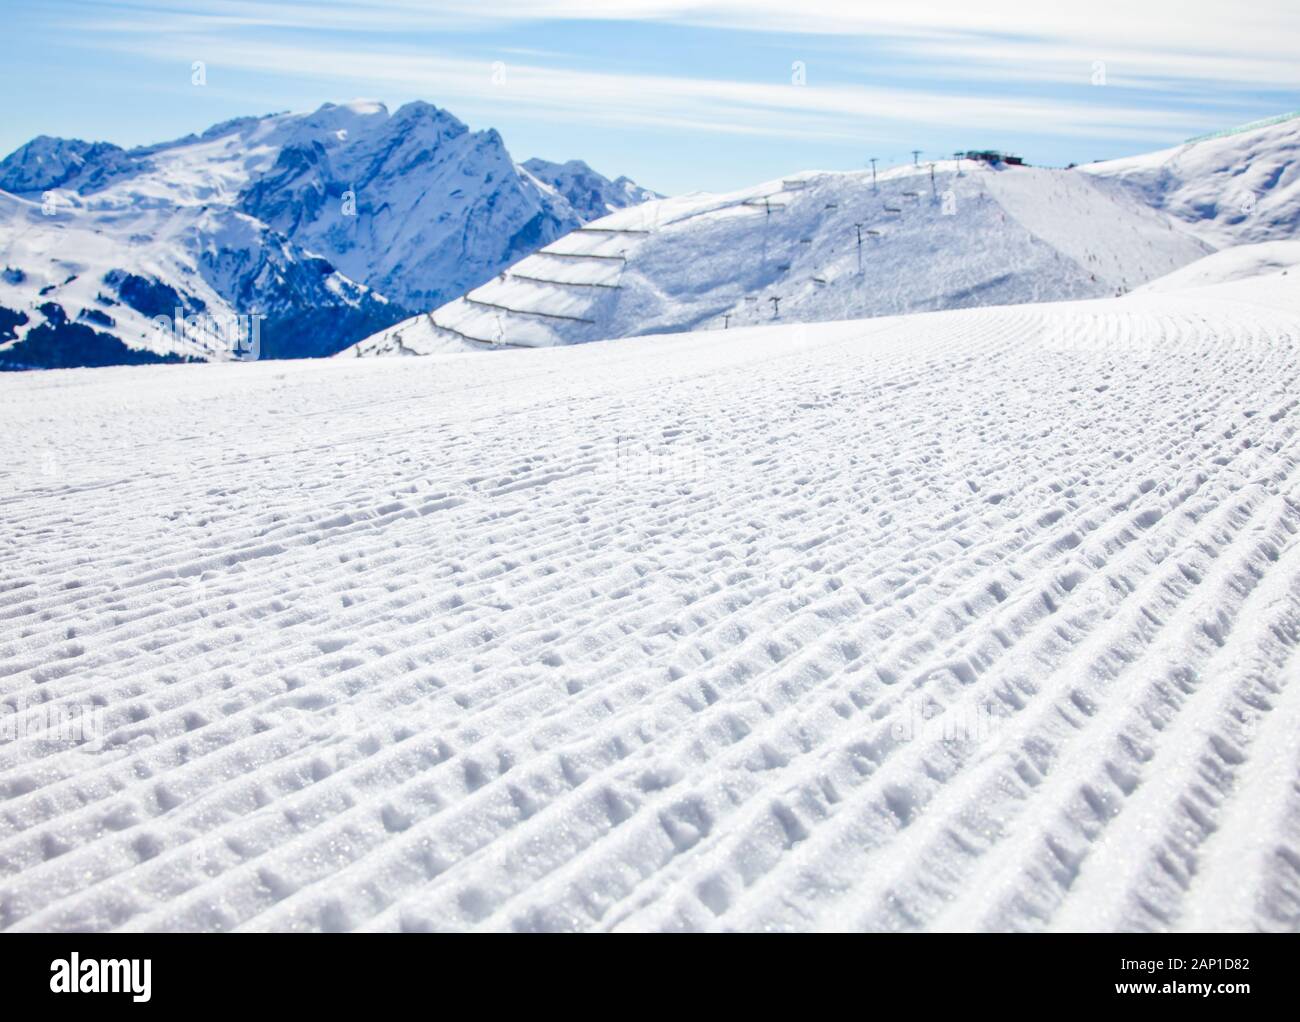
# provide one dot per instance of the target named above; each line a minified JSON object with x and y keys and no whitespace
{"x":678,"y":95}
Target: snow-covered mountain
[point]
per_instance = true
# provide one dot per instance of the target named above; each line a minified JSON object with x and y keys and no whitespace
{"x":438,"y":208}
{"x":47,"y":162}
{"x":828,"y":246}
{"x":330,"y":225}
{"x":814,"y":247}
{"x":591,"y":195}
{"x":85,"y":287}
{"x":1239,"y":186}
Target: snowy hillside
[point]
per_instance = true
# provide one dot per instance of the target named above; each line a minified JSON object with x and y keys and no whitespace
{"x":1240,"y":262}
{"x":330,"y":224}
{"x":82,"y":287}
{"x":983,"y":619}
{"x":818,"y":246}
{"x":1243,"y":186}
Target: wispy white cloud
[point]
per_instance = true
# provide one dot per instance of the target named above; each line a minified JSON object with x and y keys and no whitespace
{"x":939,"y":71}
{"x":1126,"y":64}
{"x":1183,"y":36}
{"x":704,"y":104}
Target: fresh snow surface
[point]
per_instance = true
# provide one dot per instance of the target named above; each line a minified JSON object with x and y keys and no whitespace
{"x":971,"y":235}
{"x":982,"y":619}
{"x":1237,"y":263}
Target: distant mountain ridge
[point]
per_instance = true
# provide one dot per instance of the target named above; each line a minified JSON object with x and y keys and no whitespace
{"x":329,"y":225}
{"x":591,"y":195}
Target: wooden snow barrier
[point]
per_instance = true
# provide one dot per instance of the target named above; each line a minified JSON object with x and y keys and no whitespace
{"x":562,"y":283}
{"x":762,"y":202}
{"x":466,"y":337}
{"x":525,"y":312}
{"x":611,"y":230}
{"x":580,"y":255}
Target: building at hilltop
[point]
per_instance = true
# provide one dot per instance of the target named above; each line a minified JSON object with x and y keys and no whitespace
{"x":992,"y":156}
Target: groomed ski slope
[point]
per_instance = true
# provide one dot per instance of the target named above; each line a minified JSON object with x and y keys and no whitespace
{"x":654,"y":634}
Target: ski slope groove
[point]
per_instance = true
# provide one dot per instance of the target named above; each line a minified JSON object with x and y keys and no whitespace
{"x":649,"y":634}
